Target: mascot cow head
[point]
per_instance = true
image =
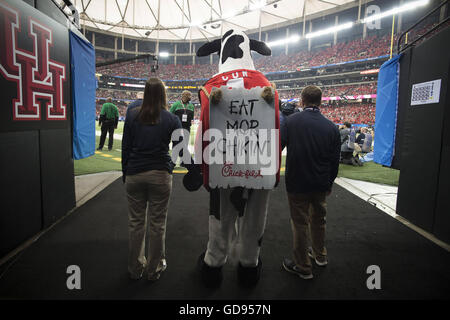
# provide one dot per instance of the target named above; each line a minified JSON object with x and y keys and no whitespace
{"x":234,"y":50}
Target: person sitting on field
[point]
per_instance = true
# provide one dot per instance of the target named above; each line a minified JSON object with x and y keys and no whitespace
{"x":348,"y":137}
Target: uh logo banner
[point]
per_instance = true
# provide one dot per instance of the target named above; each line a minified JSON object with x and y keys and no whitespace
{"x":34,"y":56}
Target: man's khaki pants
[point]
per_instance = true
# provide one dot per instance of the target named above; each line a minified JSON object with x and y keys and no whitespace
{"x":148,"y":196}
{"x":308,"y":222}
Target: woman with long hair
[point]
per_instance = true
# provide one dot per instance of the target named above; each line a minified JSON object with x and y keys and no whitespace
{"x":147,"y":173}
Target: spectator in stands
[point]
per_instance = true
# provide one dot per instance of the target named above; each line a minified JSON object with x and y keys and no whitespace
{"x":147,"y":169}
{"x":108,"y":120}
{"x":313,"y":147}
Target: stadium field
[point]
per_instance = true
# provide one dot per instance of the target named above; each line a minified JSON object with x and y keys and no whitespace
{"x":119,"y":129}
{"x":106,"y":160}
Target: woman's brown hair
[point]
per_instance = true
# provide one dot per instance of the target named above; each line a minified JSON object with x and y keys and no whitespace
{"x":154,"y":101}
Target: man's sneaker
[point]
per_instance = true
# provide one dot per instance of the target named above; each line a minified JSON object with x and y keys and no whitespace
{"x":137,"y":276}
{"x":320,"y":261}
{"x":291,"y":267}
{"x":155,"y":276}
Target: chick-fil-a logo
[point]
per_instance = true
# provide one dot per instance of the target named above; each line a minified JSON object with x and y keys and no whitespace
{"x":227,"y":171}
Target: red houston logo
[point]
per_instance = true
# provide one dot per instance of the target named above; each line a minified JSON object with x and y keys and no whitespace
{"x":38,"y":78}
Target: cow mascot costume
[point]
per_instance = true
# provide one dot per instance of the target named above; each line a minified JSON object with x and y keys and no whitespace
{"x":238,"y":209}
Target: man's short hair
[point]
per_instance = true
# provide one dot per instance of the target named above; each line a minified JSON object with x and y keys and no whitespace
{"x":186,"y":93}
{"x":348,"y":124}
{"x":311,"y":96}
{"x":109,"y":100}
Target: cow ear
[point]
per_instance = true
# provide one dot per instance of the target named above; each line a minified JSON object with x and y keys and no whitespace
{"x":260,"y":47}
{"x":208,"y":48}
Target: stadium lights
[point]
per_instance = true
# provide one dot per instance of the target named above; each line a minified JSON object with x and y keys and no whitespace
{"x":329,"y":30}
{"x":229,"y":14}
{"x":294,"y":38}
{"x":408,"y":6}
{"x":163,"y":54}
{"x":257,"y":5}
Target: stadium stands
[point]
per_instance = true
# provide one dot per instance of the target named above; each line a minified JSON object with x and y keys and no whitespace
{"x":341,"y":52}
{"x":351,"y":90}
{"x":354,"y":112}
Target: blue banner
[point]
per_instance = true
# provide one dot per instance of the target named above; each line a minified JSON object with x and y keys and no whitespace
{"x":386,"y":111}
{"x":82,"y":63}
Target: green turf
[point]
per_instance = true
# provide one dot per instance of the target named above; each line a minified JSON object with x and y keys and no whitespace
{"x":98,"y":162}
{"x":119,"y":129}
{"x":371,"y":172}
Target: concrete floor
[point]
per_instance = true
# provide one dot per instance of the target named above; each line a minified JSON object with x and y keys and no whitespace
{"x":88,"y":185}
{"x":384,"y":197}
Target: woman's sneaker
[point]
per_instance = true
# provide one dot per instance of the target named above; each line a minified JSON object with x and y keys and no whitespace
{"x":291,"y":267}
{"x":321,"y":261}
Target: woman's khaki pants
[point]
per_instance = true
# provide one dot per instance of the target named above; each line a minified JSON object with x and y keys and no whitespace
{"x":148,"y":196}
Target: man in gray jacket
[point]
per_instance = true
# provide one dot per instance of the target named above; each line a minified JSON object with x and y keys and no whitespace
{"x":346,"y":150}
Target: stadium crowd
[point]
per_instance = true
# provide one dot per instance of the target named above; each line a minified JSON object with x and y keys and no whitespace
{"x":348,"y":90}
{"x":117,"y":95}
{"x":341,"y":52}
{"x":363,"y":113}
{"x":359,"y":113}
{"x":371,"y":46}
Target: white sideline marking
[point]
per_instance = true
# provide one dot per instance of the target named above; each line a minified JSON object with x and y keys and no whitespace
{"x":390,"y":211}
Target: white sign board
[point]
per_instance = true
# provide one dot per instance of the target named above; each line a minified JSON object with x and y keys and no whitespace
{"x":244,"y":145}
{"x":425,"y":92}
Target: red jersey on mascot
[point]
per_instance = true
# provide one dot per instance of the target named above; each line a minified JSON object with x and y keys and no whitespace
{"x":237,"y":215}
{"x":236,"y":69}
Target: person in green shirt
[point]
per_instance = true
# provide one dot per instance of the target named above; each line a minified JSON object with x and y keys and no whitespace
{"x":108,"y":120}
{"x":184,"y":110}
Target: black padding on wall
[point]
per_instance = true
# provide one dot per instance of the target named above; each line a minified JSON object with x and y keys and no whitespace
{"x":58,"y":190}
{"x":422,"y":135}
{"x":20,"y":196}
{"x":441,"y":226}
{"x":36,"y":176}
{"x":403,"y":105}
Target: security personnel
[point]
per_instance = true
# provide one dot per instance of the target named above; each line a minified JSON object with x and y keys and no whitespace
{"x":184,"y":110}
{"x":109,"y":118}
